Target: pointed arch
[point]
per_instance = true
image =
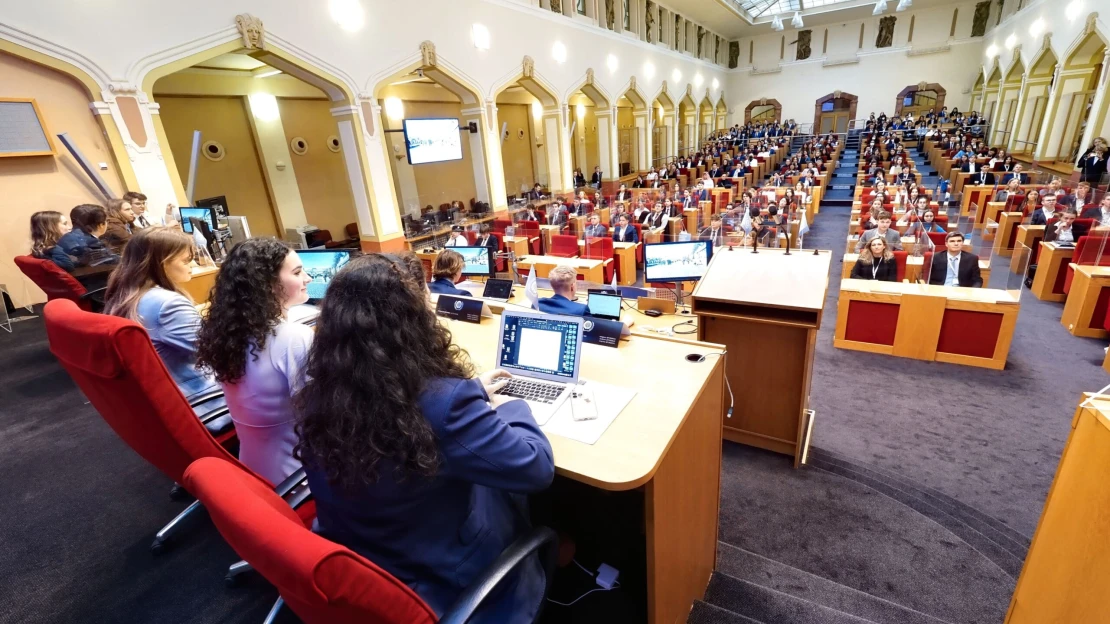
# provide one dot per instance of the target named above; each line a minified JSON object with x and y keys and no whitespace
{"x":1016,"y":68}
{"x":532,"y":82}
{"x":763,"y":102}
{"x":592,"y":89}
{"x":995,"y":75}
{"x":436,"y":68}
{"x":664,"y":99}
{"x":634,"y":95}
{"x":1044,"y":63}
{"x":1088,"y":47}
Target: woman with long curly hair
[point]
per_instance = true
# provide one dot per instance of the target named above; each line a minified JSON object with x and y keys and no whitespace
{"x":410,"y":462}
{"x":256,"y":352}
{"x":47,"y":226}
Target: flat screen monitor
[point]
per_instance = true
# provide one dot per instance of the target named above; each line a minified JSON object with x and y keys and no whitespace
{"x":432,"y":140}
{"x":676,"y":262}
{"x":322,"y":265}
{"x":477,"y":261}
{"x":198,"y":213}
{"x":604,"y":305}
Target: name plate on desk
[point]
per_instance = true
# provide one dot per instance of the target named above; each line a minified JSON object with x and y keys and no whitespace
{"x":459,"y":309}
{"x":602,"y":332}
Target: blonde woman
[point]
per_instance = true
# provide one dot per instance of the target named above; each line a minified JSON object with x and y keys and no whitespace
{"x":876,"y":262}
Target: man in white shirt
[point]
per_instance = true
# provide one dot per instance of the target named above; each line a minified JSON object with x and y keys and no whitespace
{"x":138,"y":206}
{"x":1100,"y":213}
{"x":458,"y":238}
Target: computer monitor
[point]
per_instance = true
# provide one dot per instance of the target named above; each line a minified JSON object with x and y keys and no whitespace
{"x":322,"y":265}
{"x":543,"y":346}
{"x":477,"y":261}
{"x":677,"y":261}
{"x":604,"y":305}
{"x":198,"y":213}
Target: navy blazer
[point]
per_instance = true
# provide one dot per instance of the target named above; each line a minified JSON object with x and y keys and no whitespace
{"x":444,"y":286}
{"x":629,"y":234}
{"x":558,"y":304}
{"x":437,"y":534}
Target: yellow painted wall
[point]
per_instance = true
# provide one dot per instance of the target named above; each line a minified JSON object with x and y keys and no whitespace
{"x":516,"y":152}
{"x":239,"y":175}
{"x":440,"y":183}
{"x":589,"y":131}
{"x":30,"y":184}
{"x":321,"y":173}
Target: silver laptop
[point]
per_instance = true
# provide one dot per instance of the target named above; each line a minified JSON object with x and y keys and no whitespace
{"x":542,"y":352}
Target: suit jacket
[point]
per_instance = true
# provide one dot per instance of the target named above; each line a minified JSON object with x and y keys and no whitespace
{"x":893,"y":239}
{"x":1091,"y":168}
{"x":967,"y":275}
{"x":596,"y":231}
{"x":595,"y":179}
{"x":655,"y":220}
{"x":717,"y":237}
{"x":490,"y":241}
{"x":559,"y":217}
{"x":438,"y":534}
{"x":625,"y":235}
{"x":981,"y":178}
{"x":715,"y":172}
{"x":1094,"y":212}
{"x":1077,"y":230}
{"x":623,"y":196}
{"x":579,"y":180}
{"x":885,"y":270}
{"x":529,"y":215}
{"x":558,"y":304}
{"x":444,"y":286}
{"x":1022,"y":178}
{"x":1038,"y":218}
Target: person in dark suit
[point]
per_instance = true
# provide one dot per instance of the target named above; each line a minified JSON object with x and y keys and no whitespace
{"x":415,"y":462}
{"x":446,"y":272}
{"x":982,"y":178}
{"x":955,"y":267}
{"x":487,"y":238}
{"x":536,"y":192}
{"x":557,"y":214}
{"x":1100,"y":213}
{"x":529,"y":214}
{"x":579,"y":179}
{"x":1047,"y":211}
{"x":623,"y":194}
{"x":639,"y":182}
{"x":624,"y":232}
{"x":688,"y":201}
{"x":738,"y":170}
{"x":1065,"y":229}
{"x":595,"y":178}
{"x":594,"y":229}
{"x":656,"y":219}
{"x":715,"y":171}
{"x":1092,"y":165}
{"x":876,"y":262}
{"x":715,"y":232}
{"x":1022,"y":178}
{"x":564,"y":281}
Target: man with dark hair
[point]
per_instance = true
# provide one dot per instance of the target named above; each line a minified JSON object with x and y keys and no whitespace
{"x":1065,"y":230}
{"x":956,"y":267}
{"x":138,"y":206}
{"x":82,"y":246}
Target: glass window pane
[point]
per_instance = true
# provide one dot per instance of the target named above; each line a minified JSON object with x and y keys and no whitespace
{"x":581,"y":7}
{"x":627,"y":16}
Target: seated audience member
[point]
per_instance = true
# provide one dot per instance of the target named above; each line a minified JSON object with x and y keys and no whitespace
{"x":1012,"y":188}
{"x":486,"y":238}
{"x":143,"y":218}
{"x":1065,"y":231}
{"x":624,"y":232}
{"x":579,"y":179}
{"x":256,"y":353}
{"x":446,"y":272}
{"x":926,"y":224}
{"x":1079,"y":198}
{"x":147,"y":288}
{"x":529,"y":213}
{"x":639,"y":182}
{"x":1016,"y":174}
{"x":458,"y":238}
{"x":595,"y":229}
{"x":557,"y":214}
{"x":1101,"y":212}
{"x":81,"y":246}
{"x":1047,"y":211}
{"x":1030,"y":205}
{"x":564,"y":281}
{"x":413,"y":462}
{"x":536,"y":192}
{"x":715,"y":232}
{"x":1054,"y":188}
{"x":47,"y":227}
{"x":119,"y":228}
{"x":982,"y":177}
{"x":882,"y":230}
{"x":764,"y":236}
{"x":656,"y":220}
{"x":876,"y":262}
{"x":623,"y":194}
{"x":955,"y":267}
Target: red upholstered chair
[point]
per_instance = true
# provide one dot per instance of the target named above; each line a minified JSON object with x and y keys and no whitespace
{"x":351,"y":242}
{"x":471,"y":236}
{"x":321,"y":581}
{"x":54,"y":281}
{"x":640,"y":237}
{"x":602,"y":249}
{"x":900,"y":263}
{"x":564,"y":246}
{"x":937,"y":238}
{"x":499,"y":225}
{"x":1092,"y":249}
{"x":114,"y":363}
{"x":941,"y":220}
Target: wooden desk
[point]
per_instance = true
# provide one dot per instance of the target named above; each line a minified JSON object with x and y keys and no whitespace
{"x":969,"y":326}
{"x":768,"y":304}
{"x":517,"y":244}
{"x":1027,"y":239}
{"x":1052,"y":270}
{"x":665,"y":444}
{"x":201,"y":284}
{"x":1085,"y":310}
{"x":1067,"y":569}
{"x":590,"y":270}
{"x":1005,"y":240}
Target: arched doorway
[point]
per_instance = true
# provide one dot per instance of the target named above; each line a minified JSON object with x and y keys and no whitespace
{"x":722,"y":114}
{"x":1029,"y":118}
{"x":763,"y":110}
{"x":1008,"y":101}
{"x":990,"y":96}
{"x":662,"y":128}
{"x":1074,"y":98}
{"x":705,"y":119}
{"x":632,"y":130}
{"x":919,"y":99}
{"x":834,"y":112}
{"x":977,"y":94}
{"x":687,"y":125}
{"x":594,"y":129}
{"x":552,"y":156}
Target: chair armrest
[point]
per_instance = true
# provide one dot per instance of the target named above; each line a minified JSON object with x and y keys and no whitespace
{"x":214,"y":414}
{"x":517,"y":552}
{"x":203,"y":397}
{"x":95,"y":295}
{"x":294,"y":489}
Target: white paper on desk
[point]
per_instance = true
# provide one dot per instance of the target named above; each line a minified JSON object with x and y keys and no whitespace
{"x":611,"y":401}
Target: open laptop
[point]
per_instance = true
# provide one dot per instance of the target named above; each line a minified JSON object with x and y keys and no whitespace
{"x":604,"y":305}
{"x":498,"y":289}
{"x":542,"y":352}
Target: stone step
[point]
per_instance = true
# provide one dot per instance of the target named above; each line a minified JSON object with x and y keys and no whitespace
{"x":764,"y":604}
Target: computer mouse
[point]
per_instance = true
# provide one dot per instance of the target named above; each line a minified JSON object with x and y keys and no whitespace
{"x":653,"y":313}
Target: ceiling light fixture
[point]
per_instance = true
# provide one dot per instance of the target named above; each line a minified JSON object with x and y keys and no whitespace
{"x":559,"y":52}
{"x":1011,"y":41}
{"x":1036,"y":28}
{"x":349,"y":14}
{"x":797,"y":21}
{"x":479,"y":34}
{"x":265,"y":72}
{"x":776,"y":23}
{"x":649,"y":70}
{"x":992,"y":51}
{"x":612,"y":62}
{"x":676,"y":76}
{"x":880,"y":7}
{"x":716,"y":84}
{"x":1073,"y":10}
{"x":698,"y":80}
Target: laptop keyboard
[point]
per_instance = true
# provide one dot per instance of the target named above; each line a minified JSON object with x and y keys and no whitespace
{"x":529,"y":390}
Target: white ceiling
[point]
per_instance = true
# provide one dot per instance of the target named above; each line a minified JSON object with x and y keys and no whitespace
{"x":729,"y":19}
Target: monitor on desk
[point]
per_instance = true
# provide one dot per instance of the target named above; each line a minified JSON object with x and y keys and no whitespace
{"x":204,"y":214}
{"x":322,"y":265}
{"x":477,"y":261}
{"x":604,"y":305}
{"x":676,"y":261}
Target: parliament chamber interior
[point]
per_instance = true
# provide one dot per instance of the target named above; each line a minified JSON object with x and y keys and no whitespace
{"x":705,"y":311}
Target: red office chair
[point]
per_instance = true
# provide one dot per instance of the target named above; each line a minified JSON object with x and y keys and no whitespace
{"x":351,"y":242}
{"x":937,"y":238}
{"x":1089,"y":250}
{"x":321,"y":581}
{"x":499,"y":225}
{"x":564,"y":246}
{"x":941,"y":220}
{"x":602,"y":249}
{"x":900,"y":263}
{"x":55,"y":282}
{"x":114,"y":363}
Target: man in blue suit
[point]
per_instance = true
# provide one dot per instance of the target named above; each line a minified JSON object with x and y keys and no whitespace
{"x":564,"y":281}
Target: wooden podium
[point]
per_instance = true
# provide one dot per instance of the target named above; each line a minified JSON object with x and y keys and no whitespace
{"x":766,"y":308}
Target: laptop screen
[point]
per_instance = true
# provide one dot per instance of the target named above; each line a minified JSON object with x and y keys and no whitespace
{"x":604,"y":306}
{"x":322,"y":266}
{"x":546,"y":346}
{"x":498,"y":288}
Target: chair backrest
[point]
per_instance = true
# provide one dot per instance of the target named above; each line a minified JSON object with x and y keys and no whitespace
{"x":564,"y":243}
{"x":941,"y":220}
{"x":352,"y":231}
{"x":114,"y":363}
{"x":529,"y":226}
{"x":599,"y":248}
{"x":52,"y":279}
{"x":499,"y":225}
{"x":937,"y":238}
{"x":926,"y":265}
{"x":1091,"y":249}
{"x":900,"y":263}
{"x":321,"y":581}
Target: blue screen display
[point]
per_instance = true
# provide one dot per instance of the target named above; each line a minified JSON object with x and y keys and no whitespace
{"x":322,"y":266}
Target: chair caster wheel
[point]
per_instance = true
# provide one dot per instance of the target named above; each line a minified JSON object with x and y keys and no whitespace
{"x":178,"y":493}
{"x":158,"y":547}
